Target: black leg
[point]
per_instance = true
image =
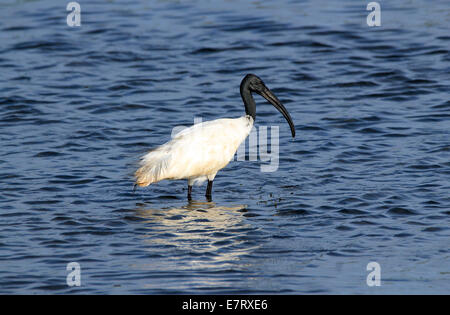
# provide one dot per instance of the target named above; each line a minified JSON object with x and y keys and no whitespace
{"x":189,"y":193}
{"x":209,"y":190}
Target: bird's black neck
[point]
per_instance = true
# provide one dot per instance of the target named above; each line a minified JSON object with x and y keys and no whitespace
{"x":249,"y":102}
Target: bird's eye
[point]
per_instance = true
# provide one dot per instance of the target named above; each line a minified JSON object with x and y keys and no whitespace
{"x":257,"y":86}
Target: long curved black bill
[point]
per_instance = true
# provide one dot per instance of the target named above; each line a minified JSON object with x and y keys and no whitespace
{"x":268,"y":95}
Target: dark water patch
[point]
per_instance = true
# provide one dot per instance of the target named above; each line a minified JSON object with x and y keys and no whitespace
{"x":304,"y":77}
{"x":309,"y":128}
{"x":352,"y":211}
{"x":43,"y":46}
{"x":293,"y":212}
{"x":303,"y":43}
{"x":42,"y":202}
{"x":370,"y":130}
{"x":401,"y":211}
{"x":424,"y":166}
{"x":210,"y":50}
{"x":344,"y":228}
{"x":402,"y":235}
{"x":442,"y":105}
{"x":48,"y":154}
{"x":354,"y":84}
{"x":434,"y":229}
{"x":363,"y":222}
{"x":338,"y":34}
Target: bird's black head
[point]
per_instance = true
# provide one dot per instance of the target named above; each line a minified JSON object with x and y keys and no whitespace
{"x":255,"y":84}
{"x":252,"y":83}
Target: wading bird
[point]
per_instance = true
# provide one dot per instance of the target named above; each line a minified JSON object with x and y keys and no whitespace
{"x":199,"y":152}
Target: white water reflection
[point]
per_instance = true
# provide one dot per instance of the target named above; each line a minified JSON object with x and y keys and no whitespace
{"x":197,"y":235}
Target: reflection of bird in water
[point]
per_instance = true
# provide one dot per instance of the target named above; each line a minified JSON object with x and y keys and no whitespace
{"x":145,"y":211}
{"x":200,"y":227}
{"x":195,"y":235}
{"x":191,"y":216}
{"x":199,"y":152}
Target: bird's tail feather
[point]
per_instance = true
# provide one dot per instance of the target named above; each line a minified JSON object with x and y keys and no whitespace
{"x":153,"y":167}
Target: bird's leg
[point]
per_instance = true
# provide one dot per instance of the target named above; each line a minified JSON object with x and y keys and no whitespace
{"x":209,"y":190}
{"x":189,"y":196}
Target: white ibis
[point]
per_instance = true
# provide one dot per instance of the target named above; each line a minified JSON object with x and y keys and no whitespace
{"x":199,"y":152}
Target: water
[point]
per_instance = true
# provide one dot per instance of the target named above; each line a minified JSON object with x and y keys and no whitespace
{"x":366,"y":178}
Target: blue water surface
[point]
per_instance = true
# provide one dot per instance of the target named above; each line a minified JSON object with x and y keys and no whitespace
{"x":367,"y":178}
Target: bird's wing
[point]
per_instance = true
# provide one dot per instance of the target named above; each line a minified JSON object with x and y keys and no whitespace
{"x":202,"y":149}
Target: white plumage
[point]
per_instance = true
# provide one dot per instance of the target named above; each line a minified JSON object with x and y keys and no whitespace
{"x":196,"y":153}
